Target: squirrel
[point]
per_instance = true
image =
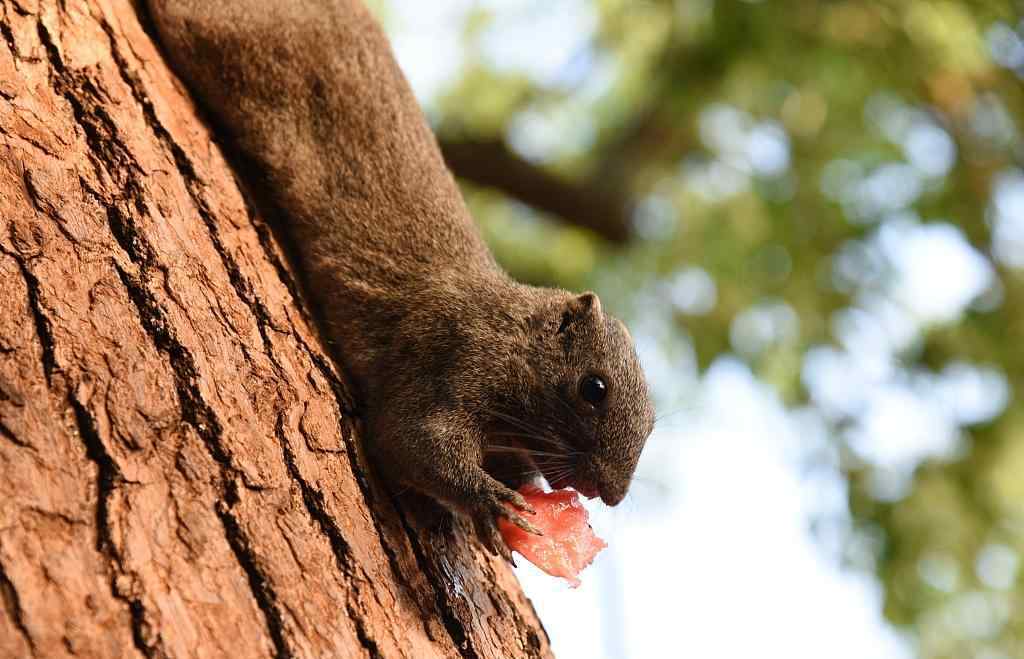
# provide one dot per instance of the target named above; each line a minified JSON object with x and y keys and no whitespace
{"x":463,"y":372}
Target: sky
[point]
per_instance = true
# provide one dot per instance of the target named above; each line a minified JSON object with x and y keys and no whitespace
{"x":712,"y":554}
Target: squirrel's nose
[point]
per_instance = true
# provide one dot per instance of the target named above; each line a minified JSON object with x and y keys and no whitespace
{"x":612,"y":496}
{"x":608,"y":485}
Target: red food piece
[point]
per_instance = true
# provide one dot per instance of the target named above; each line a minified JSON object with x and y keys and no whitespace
{"x":568,"y":544}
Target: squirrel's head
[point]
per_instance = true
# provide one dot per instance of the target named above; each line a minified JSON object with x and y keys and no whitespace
{"x":585,"y":411}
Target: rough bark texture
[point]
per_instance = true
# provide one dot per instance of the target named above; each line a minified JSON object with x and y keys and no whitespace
{"x":180,"y":470}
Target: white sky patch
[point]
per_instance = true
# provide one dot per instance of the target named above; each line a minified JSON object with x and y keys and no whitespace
{"x":930,"y":149}
{"x":997,"y":566}
{"x":723,"y":129}
{"x":537,"y":37}
{"x":834,"y":381}
{"x":715,"y":180}
{"x":425,"y":38}
{"x":540,"y":135}
{"x":655,"y":217}
{"x":1007,"y":218}
{"x":900,"y":429}
{"x":937,"y":273}
{"x":889,"y":188}
{"x":901,"y":329}
{"x":972,"y":394}
{"x":874,"y":332}
{"x":926,"y":145}
{"x":692,"y":291}
{"x":748,"y":146}
{"x":768,"y":149}
{"x":763,"y":325}
{"x":1005,"y":45}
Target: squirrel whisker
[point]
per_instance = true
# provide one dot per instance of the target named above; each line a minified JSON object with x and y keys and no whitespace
{"x":528,"y":431}
{"x":563,"y":448}
{"x":497,"y":448}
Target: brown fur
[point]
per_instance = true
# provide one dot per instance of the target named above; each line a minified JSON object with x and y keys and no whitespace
{"x":451,"y":357}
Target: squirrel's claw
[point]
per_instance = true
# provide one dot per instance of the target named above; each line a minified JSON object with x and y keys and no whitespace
{"x":499,"y":509}
{"x":492,"y":507}
{"x":522,"y":523}
{"x":517,"y":500}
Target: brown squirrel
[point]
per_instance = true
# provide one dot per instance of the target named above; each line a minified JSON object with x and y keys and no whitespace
{"x":459,"y":367}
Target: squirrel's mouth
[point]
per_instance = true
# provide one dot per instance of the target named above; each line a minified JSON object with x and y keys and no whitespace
{"x":584,"y":487}
{"x":509,"y":466}
{"x":560,"y":476}
{"x":589,"y":477}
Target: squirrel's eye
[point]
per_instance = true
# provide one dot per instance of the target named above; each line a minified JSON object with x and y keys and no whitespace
{"x":593,"y":390}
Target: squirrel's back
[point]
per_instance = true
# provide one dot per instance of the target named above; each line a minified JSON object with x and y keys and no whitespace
{"x":311,"y":95}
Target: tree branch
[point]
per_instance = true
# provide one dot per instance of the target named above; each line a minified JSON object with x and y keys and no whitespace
{"x":590,"y":204}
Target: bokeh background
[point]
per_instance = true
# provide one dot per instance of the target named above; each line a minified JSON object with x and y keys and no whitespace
{"x":811,"y":214}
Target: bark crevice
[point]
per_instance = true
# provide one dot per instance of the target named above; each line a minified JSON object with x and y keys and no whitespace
{"x":368,"y":643}
{"x":9,"y":435}
{"x":44,"y":331}
{"x":108,"y":476}
{"x":12,"y":603}
{"x":261,"y":590}
{"x":8,"y":36}
{"x":314,"y":503}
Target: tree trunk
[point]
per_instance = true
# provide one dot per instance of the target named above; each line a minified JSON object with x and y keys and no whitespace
{"x":180,"y":465}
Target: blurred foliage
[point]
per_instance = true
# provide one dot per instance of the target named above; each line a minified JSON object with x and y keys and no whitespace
{"x":815,"y":182}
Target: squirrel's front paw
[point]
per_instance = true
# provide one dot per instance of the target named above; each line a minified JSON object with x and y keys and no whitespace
{"x":489,"y":506}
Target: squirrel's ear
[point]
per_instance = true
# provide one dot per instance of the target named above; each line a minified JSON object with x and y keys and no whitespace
{"x":586,"y":305}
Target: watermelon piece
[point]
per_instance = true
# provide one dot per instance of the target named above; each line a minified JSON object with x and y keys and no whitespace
{"x":568,"y":544}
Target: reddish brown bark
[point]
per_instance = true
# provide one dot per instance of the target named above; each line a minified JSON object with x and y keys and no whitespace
{"x":180,"y":466}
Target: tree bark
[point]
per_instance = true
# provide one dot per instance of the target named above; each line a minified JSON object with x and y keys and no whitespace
{"x":182,"y":473}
